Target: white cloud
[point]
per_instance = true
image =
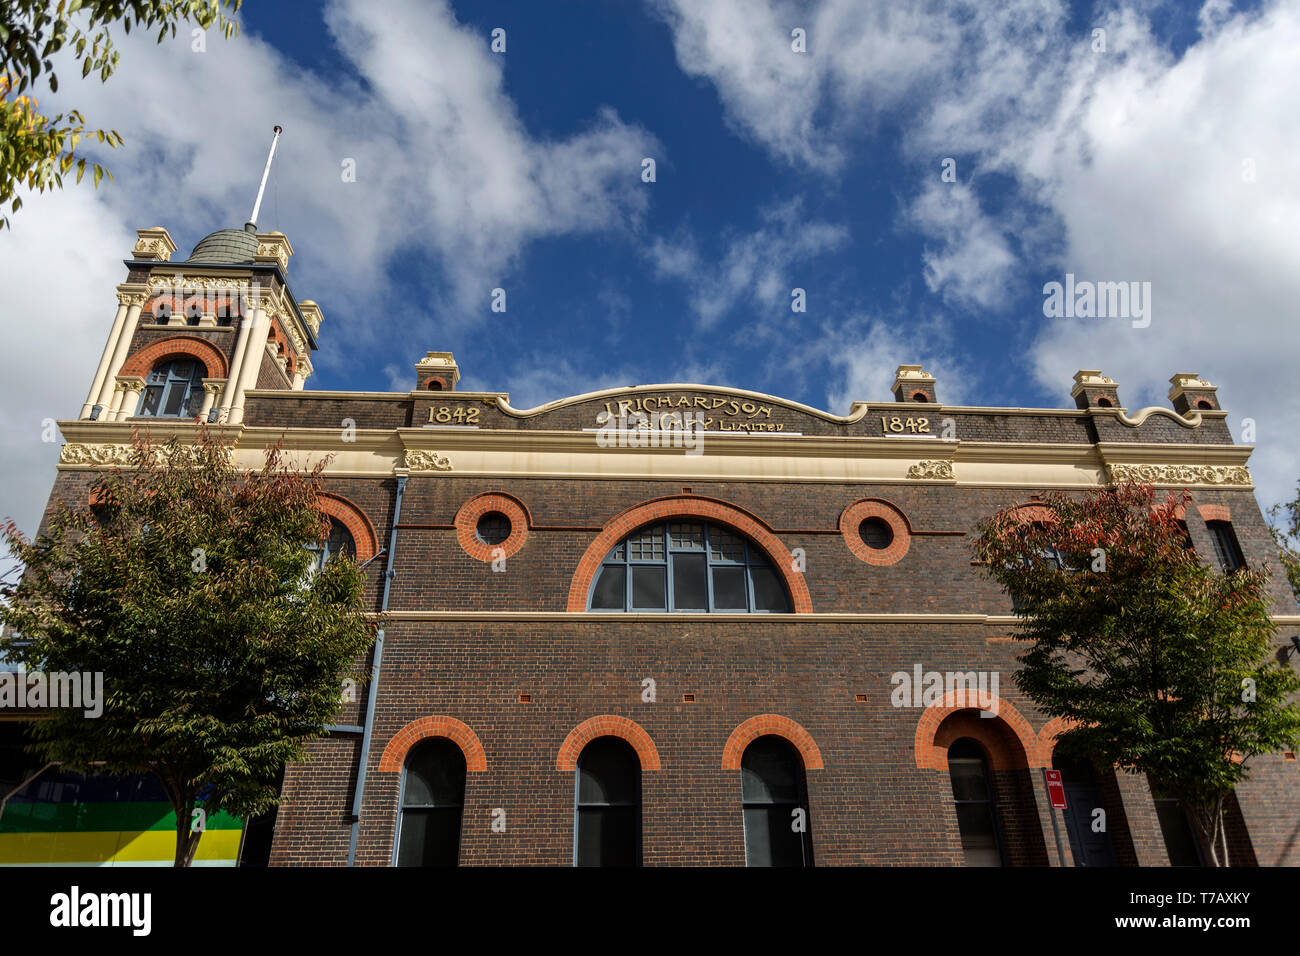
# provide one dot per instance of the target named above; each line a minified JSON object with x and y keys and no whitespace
{"x":864,"y":354}
{"x":58,"y":274}
{"x":861,"y":57}
{"x":973,"y":260}
{"x":1125,"y":164}
{"x":759,"y":268}
{"x":444,"y":168}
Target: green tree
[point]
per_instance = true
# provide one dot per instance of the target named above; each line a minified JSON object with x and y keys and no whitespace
{"x":191,"y":589}
{"x":38,"y":151}
{"x":1285,"y":527}
{"x":1161,"y":664}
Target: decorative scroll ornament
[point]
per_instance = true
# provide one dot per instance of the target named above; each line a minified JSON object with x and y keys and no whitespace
{"x":79,"y":454}
{"x":274,"y":251}
{"x":1181,"y":474}
{"x":76,"y":453}
{"x":932,"y":470}
{"x":417,"y":460}
{"x":152,"y":247}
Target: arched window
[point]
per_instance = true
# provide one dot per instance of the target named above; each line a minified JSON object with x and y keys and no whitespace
{"x":339,"y":542}
{"x":774,"y":795}
{"x":607,"y":806}
{"x":1226,"y":548}
{"x":173,"y":390}
{"x":687,"y":566}
{"x":433,"y":796}
{"x":972,"y":792}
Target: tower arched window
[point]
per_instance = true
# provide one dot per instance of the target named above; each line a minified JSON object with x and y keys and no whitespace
{"x":173,"y":389}
{"x":433,"y":799}
{"x":607,"y":805}
{"x":774,"y":795}
{"x":688,"y":566}
{"x":972,"y":792}
{"x":339,"y":541}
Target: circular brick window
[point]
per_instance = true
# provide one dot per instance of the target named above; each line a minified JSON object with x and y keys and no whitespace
{"x":491,"y":526}
{"x":875,"y":531}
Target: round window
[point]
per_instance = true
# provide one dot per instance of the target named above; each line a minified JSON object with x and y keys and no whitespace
{"x":876,"y":533}
{"x":493,"y":528}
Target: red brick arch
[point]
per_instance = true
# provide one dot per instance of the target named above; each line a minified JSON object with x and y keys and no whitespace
{"x":607,"y":725}
{"x":774,"y":724}
{"x":931,"y":750}
{"x":394,"y":757}
{"x":687,"y":506}
{"x":143,"y":361}
{"x":1214,"y":512}
{"x":1025,"y":514}
{"x":355,"y":520}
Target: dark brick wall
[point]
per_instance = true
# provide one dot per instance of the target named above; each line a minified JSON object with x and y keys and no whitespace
{"x":1081,"y":428}
{"x":292,"y":410}
{"x":269,"y":374}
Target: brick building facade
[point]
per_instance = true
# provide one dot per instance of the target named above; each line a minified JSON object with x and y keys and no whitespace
{"x":532,"y":704}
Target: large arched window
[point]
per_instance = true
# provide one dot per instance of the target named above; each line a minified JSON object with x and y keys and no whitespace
{"x":774,"y":795}
{"x":339,"y":542}
{"x":687,"y":566}
{"x":433,"y":796}
{"x":972,"y":792}
{"x":173,"y":390}
{"x":607,"y":806}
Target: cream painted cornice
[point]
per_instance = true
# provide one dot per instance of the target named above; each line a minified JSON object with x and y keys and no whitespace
{"x":1114,"y":452}
{"x":918,"y":461}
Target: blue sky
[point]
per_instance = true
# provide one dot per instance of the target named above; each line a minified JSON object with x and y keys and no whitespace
{"x":774,"y":170}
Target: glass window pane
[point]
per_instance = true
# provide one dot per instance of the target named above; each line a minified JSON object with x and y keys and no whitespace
{"x":729,"y":589}
{"x":149,"y":404}
{"x":770,"y":837}
{"x":430,"y":837}
{"x":979,"y":840}
{"x":769,"y":591}
{"x":877,"y":533}
{"x":435,"y":775}
{"x":608,"y":773}
{"x":609,"y":595}
{"x":172,"y":400}
{"x":649,"y":589}
{"x":690,"y":587}
{"x":194,"y":403}
{"x":968,"y":778}
{"x":181,"y":370}
{"x":608,"y":817}
{"x":340,"y":540}
{"x":607,"y":836}
{"x":769,"y":772}
{"x":725,"y":546}
{"x":647,"y":545}
{"x":686,"y":536}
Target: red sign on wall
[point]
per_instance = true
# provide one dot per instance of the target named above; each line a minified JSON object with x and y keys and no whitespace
{"x":1055,"y":789}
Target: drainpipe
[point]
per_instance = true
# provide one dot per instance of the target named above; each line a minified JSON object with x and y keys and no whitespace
{"x":368,"y":725}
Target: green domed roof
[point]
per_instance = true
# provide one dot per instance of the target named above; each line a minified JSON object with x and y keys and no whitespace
{"x":228,"y":246}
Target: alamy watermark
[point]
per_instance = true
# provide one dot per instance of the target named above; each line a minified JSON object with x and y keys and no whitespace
{"x":922,"y":688}
{"x":78,"y":690}
{"x":1099,"y":300}
{"x":629,"y":429}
